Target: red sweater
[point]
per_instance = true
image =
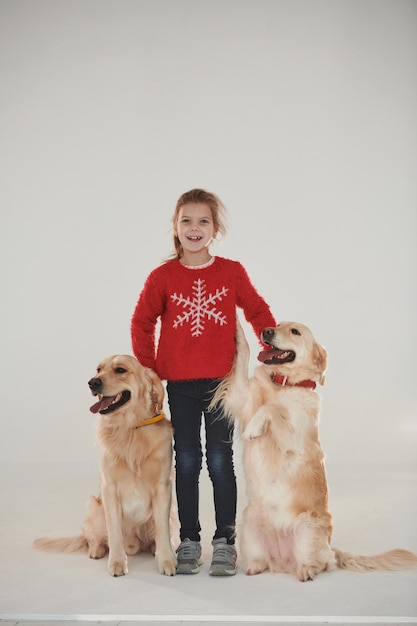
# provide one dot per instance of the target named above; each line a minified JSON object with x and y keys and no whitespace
{"x":197,"y":309}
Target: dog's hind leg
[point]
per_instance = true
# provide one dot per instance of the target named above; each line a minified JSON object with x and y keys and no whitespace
{"x":252,"y":547}
{"x":96,"y":550}
{"x":94,"y":529}
{"x":312,"y":551}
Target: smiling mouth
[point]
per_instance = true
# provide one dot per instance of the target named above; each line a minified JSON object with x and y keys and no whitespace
{"x":196,"y":238}
{"x":108,"y":404}
{"x":273,"y":356}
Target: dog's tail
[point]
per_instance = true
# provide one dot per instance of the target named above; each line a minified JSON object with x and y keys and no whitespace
{"x":62,"y":544}
{"x":392,"y":560}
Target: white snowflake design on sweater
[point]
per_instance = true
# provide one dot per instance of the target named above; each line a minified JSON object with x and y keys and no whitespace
{"x":199,"y":307}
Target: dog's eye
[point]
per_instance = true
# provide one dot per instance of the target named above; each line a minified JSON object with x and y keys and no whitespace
{"x":120,"y":370}
{"x":295,"y":331}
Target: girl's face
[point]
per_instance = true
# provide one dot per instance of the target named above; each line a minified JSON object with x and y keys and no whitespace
{"x":195,"y":230}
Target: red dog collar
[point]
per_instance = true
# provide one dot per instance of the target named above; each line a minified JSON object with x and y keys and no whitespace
{"x":278,"y":379}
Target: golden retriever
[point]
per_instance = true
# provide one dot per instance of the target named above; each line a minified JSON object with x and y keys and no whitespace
{"x":132,"y":513}
{"x":286,"y":525}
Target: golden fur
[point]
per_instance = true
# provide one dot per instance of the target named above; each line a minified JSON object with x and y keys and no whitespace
{"x":286,"y":525}
{"x":132,"y":513}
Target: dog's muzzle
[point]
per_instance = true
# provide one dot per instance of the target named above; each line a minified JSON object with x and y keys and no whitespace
{"x":106,"y":404}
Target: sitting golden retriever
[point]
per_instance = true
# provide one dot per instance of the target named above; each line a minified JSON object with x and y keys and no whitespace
{"x":286,"y":525}
{"x":132,"y":513}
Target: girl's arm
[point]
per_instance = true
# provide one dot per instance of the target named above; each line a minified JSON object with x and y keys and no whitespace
{"x":143,"y":324}
{"x":255,"y":308}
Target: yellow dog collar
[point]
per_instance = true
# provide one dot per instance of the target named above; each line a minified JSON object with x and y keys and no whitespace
{"x":152,"y":420}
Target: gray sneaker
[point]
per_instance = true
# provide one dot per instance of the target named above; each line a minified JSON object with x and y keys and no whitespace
{"x":189,"y":557}
{"x":224,"y":558}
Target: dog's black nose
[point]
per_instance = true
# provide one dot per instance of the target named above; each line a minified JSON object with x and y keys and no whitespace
{"x":268,"y":333}
{"x":95,"y":384}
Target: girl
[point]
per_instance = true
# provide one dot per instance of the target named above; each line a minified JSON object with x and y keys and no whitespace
{"x":195,"y":295}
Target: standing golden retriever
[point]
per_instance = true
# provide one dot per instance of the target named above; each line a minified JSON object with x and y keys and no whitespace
{"x":286,"y":525}
{"x":132,"y":513}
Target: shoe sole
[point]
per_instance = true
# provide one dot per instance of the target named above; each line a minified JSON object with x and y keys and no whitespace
{"x":222,"y":572}
{"x":187,"y":569}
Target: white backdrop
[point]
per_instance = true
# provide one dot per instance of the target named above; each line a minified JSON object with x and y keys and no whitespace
{"x":299,"y":114}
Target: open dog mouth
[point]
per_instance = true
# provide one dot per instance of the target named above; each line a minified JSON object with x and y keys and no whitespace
{"x":108,"y":404}
{"x":273,"y":356}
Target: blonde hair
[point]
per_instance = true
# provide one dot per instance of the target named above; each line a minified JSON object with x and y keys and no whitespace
{"x":217,"y":208}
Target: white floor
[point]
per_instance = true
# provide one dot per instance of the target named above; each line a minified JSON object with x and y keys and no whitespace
{"x":374,"y":510}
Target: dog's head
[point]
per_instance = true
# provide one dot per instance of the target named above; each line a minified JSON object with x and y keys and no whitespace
{"x":121,"y":381}
{"x":293,"y":352}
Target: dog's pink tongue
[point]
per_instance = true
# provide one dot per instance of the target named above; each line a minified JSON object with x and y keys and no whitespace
{"x":264,"y":355}
{"x":102,"y":404}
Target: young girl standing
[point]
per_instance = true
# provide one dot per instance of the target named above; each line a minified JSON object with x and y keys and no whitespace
{"x":195,"y":296}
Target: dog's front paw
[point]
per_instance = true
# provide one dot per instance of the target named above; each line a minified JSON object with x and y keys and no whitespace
{"x":168,"y":567}
{"x":253,"y":430}
{"x":260,"y":422}
{"x":167,"y":563}
{"x":118,"y":567}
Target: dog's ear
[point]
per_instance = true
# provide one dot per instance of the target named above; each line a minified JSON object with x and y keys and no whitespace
{"x":320,"y":359}
{"x":155,"y":391}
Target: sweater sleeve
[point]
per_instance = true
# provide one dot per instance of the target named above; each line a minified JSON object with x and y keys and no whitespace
{"x":143,"y":325}
{"x":255,"y":308}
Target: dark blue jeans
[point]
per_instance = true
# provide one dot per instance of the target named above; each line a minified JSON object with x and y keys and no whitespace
{"x":188,"y":401}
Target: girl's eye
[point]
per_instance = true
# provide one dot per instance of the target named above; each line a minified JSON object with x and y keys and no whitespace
{"x":295,"y":331}
{"x":120,"y":370}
